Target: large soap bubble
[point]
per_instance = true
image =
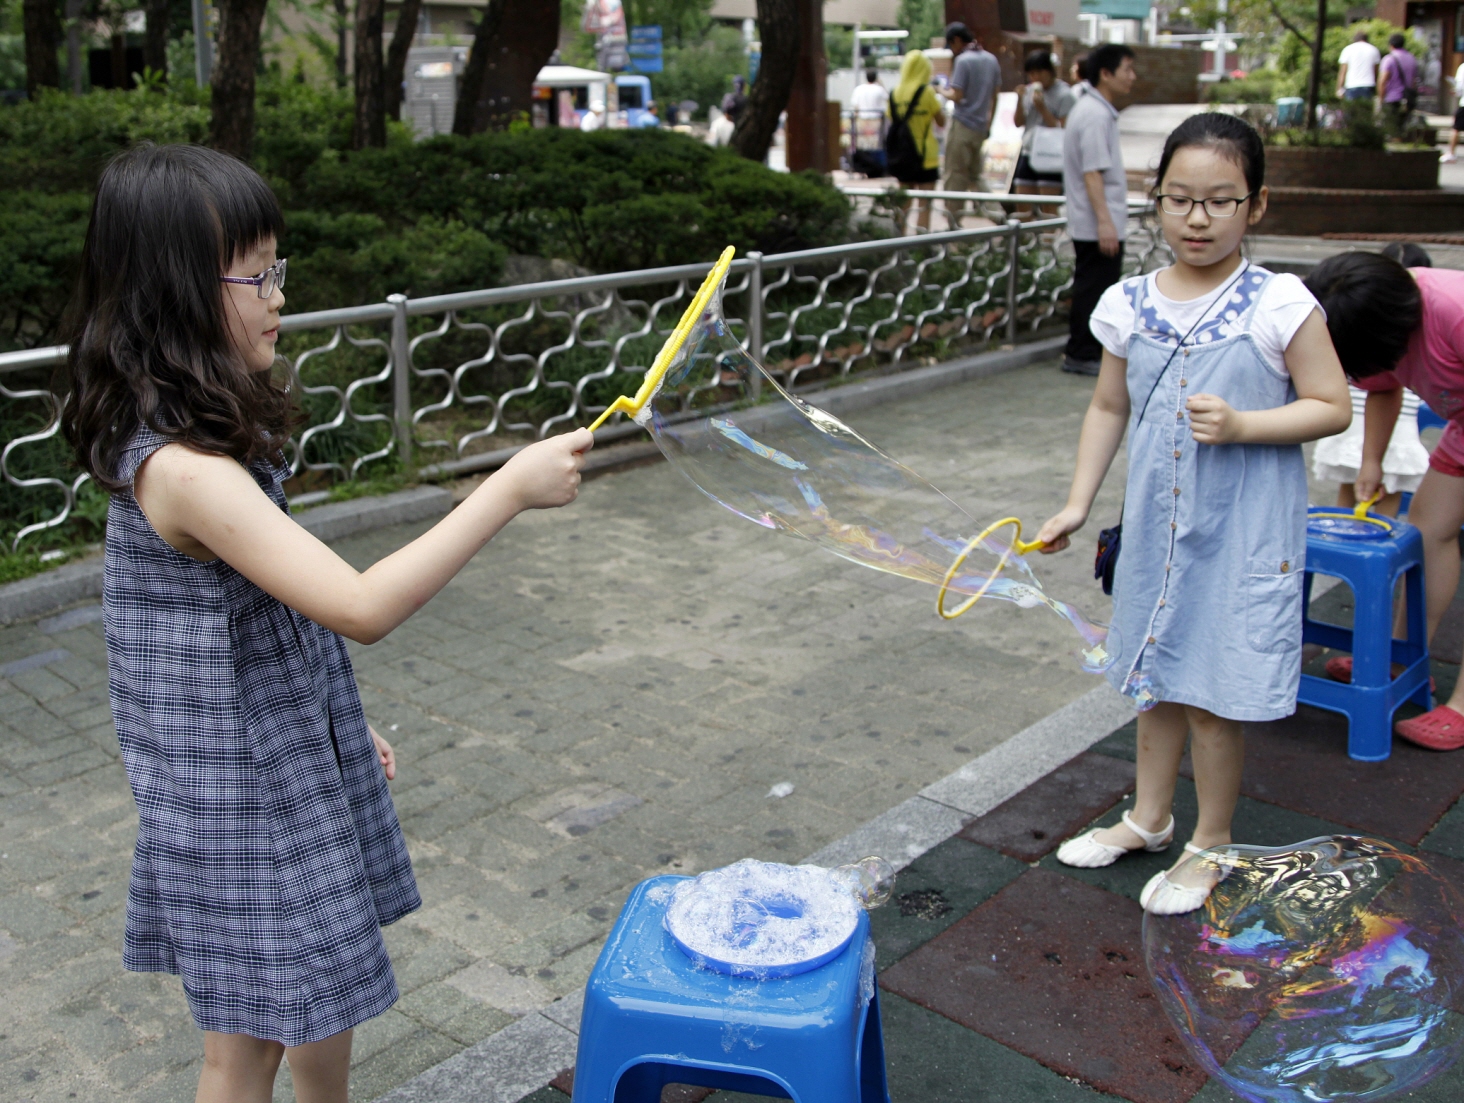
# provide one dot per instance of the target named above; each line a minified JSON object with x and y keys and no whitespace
{"x":773,"y":459}
{"x":1328,"y":970}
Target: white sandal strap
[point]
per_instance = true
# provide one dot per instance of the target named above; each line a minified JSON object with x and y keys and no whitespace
{"x":1151,"y":839}
{"x":1191,"y":848}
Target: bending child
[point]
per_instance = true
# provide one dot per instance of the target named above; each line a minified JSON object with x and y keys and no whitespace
{"x":1219,"y":370}
{"x":268,"y":852}
{"x":1397,"y":327}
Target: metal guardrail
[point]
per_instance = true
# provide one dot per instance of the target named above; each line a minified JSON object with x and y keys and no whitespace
{"x":451,"y":384}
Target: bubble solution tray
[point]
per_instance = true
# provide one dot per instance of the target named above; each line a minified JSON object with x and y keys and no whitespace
{"x":1340,"y":525}
{"x":762,"y":920}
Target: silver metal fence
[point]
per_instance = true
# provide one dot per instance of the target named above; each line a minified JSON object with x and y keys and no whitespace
{"x":451,"y":384}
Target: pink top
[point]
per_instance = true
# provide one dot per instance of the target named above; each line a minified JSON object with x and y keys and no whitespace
{"x":1433,"y":364}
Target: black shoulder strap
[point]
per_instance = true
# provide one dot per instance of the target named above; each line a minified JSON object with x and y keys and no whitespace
{"x":910,"y":107}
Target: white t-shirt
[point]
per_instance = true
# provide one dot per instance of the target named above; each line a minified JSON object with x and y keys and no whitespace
{"x":1459,"y":82}
{"x":1285,"y":304}
{"x":870,"y":98}
{"x":1362,"y":60}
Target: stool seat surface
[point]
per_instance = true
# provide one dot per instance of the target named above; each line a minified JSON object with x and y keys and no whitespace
{"x":642,"y":969}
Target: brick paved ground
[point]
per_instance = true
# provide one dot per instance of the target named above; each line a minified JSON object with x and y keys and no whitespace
{"x":606,"y":693}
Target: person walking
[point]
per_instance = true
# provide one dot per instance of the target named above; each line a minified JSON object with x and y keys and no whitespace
{"x":911,"y":149}
{"x":867,"y":106}
{"x":1042,"y":105}
{"x":1357,"y":69}
{"x":975,"y":83}
{"x":1398,"y":81}
{"x":1097,"y":195}
{"x":1458,"y":82}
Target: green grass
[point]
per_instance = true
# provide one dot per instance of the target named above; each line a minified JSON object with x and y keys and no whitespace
{"x":15,"y":566}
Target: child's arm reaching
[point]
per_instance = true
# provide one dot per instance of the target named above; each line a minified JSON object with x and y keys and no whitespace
{"x":1322,"y":407}
{"x":1103,"y":428}
{"x":210,"y":507}
{"x":1379,"y":417}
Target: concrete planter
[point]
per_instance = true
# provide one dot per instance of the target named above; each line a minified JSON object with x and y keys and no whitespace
{"x":1367,"y":169}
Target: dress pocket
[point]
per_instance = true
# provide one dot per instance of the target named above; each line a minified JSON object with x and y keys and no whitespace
{"x":1273,"y":604}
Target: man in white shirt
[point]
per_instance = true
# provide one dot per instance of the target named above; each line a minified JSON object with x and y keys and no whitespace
{"x":1458,"y":82}
{"x":594,"y":118}
{"x":867,"y":110}
{"x":1357,"y":69}
{"x":1096,"y":187}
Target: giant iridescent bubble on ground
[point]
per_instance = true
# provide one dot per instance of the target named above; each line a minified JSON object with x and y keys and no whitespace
{"x":1328,"y":970}
{"x":770,"y":457}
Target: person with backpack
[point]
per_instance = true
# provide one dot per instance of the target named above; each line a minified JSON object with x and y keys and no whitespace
{"x":912,"y":150}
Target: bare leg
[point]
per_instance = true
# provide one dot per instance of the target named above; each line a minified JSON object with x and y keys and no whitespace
{"x":321,"y":1070}
{"x":1025,"y":211}
{"x":924,"y":220}
{"x":1438,"y":512}
{"x":1218,"y":750}
{"x":1048,"y":189}
{"x":1162,"y":732}
{"x":238,"y":1068}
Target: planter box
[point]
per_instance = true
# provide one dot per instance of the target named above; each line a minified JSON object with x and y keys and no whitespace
{"x":1371,"y":169}
{"x":1314,"y":211}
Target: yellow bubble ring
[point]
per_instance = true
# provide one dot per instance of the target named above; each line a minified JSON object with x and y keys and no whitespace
{"x":1018,"y":545}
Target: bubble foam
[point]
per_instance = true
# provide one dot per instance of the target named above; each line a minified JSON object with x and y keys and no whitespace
{"x":762,"y":919}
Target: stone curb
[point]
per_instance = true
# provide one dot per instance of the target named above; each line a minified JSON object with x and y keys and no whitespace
{"x":45,"y":593}
{"x":524,"y":1056}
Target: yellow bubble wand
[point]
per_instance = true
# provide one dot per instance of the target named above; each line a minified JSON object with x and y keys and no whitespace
{"x":657,"y":371}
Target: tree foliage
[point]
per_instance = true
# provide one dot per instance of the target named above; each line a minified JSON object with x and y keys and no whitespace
{"x":418,"y":218}
{"x":1292,"y":69}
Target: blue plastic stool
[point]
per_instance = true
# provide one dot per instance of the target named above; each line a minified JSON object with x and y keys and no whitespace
{"x":653,"y":1018}
{"x":1371,"y":568}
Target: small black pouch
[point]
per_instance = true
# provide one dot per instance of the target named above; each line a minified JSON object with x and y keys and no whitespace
{"x":1107,"y":558}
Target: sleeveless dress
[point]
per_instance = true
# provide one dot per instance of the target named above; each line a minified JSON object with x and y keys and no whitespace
{"x":1207,"y":591}
{"x":268,"y":850}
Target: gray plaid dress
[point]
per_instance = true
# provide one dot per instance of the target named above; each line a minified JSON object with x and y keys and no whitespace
{"x":268,"y":851}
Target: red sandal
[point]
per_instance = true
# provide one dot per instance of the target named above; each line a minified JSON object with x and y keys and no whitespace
{"x":1439,"y":730}
{"x":1339,"y":669}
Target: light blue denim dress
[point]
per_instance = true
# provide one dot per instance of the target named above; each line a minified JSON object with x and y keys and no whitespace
{"x":1207,"y":592}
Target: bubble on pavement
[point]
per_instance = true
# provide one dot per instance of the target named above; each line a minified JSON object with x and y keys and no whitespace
{"x":793,"y":468}
{"x":1328,"y":970}
{"x":780,"y":790}
{"x":869,"y":880}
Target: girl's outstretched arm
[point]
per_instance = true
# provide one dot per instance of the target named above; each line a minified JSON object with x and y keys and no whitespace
{"x":1322,"y":407}
{"x":1103,"y":427}
{"x":210,"y":507}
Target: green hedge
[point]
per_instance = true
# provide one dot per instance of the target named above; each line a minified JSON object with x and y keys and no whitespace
{"x":416,"y":218}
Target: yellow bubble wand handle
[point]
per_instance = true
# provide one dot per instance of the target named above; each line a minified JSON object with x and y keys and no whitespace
{"x":1017,"y":546}
{"x":1359,"y":512}
{"x":657,"y":371}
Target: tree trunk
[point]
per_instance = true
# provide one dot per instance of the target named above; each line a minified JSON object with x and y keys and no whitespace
{"x":118,"y":44}
{"x":1314,"y":81}
{"x":396,"y":57}
{"x":343,"y":16}
{"x":370,"y":127}
{"x":780,"y":29}
{"x":514,"y":41}
{"x":42,"y":27}
{"x":155,"y":44}
{"x":231,"y":127}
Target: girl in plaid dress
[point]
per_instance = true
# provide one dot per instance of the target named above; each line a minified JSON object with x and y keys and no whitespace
{"x":268,"y":852}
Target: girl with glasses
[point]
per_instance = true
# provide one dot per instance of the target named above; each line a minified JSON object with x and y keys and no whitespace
{"x":268,"y":852}
{"x":1218,"y":370}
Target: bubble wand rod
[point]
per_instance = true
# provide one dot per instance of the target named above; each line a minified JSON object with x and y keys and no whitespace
{"x":657,"y":371}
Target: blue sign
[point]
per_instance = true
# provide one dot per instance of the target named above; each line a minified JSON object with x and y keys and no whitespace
{"x":645,"y":50}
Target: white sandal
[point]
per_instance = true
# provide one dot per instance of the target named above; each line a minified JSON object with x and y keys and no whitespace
{"x":1086,"y":852}
{"x":1161,"y":896}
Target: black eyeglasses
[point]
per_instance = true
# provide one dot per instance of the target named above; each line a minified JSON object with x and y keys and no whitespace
{"x":271,"y":278}
{"x":1219,"y":206}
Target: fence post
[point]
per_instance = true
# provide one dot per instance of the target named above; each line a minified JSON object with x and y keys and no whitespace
{"x":755,"y":317}
{"x":1014,"y":257}
{"x":401,"y":379}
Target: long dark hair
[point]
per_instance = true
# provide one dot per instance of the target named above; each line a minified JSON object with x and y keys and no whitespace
{"x":149,"y":339}
{"x":1232,"y":137}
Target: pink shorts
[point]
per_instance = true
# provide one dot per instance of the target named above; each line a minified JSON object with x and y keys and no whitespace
{"x":1448,"y":456}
